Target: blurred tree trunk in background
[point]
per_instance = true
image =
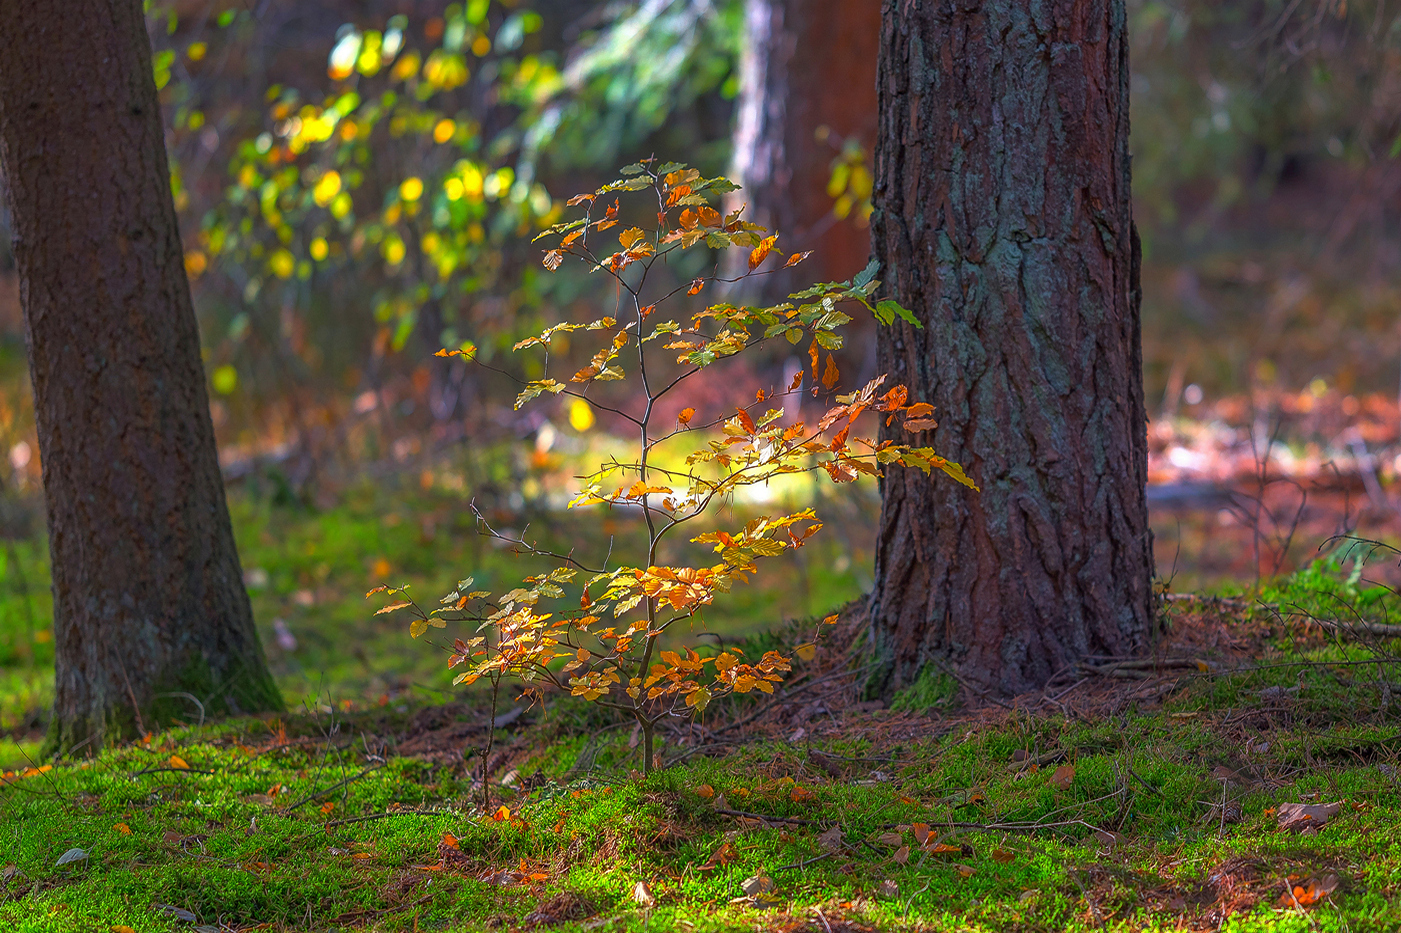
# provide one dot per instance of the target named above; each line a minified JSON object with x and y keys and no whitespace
{"x":1003,"y":220}
{"x":807,"y":84}
{"x":148,"y":593}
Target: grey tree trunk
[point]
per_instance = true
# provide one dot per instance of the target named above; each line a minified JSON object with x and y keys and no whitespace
{"x":148,"y":592}
{"x":1003,"y":220}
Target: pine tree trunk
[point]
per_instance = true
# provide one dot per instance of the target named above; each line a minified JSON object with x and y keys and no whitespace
{"x":1003,"y":221}
{"x":148,"y":592}
{"x":808,"y":75}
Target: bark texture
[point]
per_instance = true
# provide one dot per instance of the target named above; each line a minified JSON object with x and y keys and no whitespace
{"x":1003,"y":221}
{"x":809,"y":65}
{"x":148,"y":592}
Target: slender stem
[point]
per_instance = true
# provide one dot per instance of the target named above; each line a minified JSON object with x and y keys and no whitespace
{"x":490,"y":738}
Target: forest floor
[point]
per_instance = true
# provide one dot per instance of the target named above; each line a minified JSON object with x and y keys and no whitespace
{"x":1155,"y":794}
{"x":1242,"y":777}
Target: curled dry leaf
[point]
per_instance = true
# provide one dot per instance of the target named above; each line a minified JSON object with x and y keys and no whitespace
{"x":889,"y":889}
{"x":831,"y":840}
{"x":706,"y":791}
{"x":891,"y":839}
{"x":1306,"y":818}
{"x":73,"y":855}
{"x":902,"y":855}
{"x":755,"y":885}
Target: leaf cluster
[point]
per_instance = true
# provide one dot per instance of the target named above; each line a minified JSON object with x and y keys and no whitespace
{"x":600,"y":639}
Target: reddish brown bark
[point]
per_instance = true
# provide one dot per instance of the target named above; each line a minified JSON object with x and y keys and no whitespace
{"x":809,"y":76}
{"x":1003,"y":222}
{"x":148,"y":594}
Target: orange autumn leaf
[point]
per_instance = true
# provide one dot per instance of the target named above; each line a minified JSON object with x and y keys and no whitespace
{"x":177,"y":762}
{"x":450,"y":841}
{"x":686,"y":415}
{"x":830,"y":375}
{"x":706,"y":791}
{"x":122,"y":828}
{"x":761,"y":252}
{"x":696,"y":286}
{"x":327,"y":807}
{"x":801,"y":795}
{"x":502,"y":814}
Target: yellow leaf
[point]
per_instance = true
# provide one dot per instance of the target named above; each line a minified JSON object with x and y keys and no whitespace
{"x":761,"y":252}
{"x":698,"y":698}
{"x":706,"y":791}
{"x":630,"y":237}
{"x":502,"y":814}
{"x":806,"y":652}
{"x":177,"y":762}
{"x":390,"y":608}
{"x":417,"y":627}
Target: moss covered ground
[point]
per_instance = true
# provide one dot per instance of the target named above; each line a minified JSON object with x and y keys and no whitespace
{"x":1140,"y":796}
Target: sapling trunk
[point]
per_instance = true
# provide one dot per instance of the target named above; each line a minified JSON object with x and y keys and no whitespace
{"x":490,"y":738}
{"x":647,"y":727}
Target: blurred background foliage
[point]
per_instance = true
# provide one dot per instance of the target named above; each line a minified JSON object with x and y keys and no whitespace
{"x":358,"y":182}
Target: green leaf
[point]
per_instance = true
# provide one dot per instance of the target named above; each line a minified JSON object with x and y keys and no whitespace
{"x":636,"y":168}
{"x":867,"y":274}
{"x":887,"y":310}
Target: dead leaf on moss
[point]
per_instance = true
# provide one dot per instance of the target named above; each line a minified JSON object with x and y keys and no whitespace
{"x":1308,"y":893}
{"x":1306,"y":818}
{"x":1063,"y":776}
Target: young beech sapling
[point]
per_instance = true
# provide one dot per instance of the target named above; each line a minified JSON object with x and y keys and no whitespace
{"x":593,"y":629}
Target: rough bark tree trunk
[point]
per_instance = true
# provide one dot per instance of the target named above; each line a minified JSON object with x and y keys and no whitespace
{"x":148,"y":593}
{"x":809,"y":65}
{"x":1003,"y":220}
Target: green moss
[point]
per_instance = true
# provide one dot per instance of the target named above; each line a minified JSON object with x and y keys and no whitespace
{"x":933,"y":689}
